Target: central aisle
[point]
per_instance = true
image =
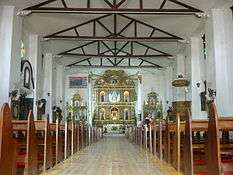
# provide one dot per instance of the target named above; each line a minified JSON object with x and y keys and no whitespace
{"x":113,"y":155}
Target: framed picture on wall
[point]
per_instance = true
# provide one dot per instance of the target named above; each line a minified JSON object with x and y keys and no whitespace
{"x":78,"y":82}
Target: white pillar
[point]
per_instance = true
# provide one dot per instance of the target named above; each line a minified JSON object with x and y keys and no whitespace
{"x":10,"y":38}
{"x":48,"y":85}
{"x":139,"y":99}
{"x":168,"y":88}
{"x":180,"y":68}
{"x":90,"y":110}
{"x":180,"y":58}
{"x":35,"y":58}
{"x":59,"y":85}
{"x":220,"y":37}
{"x":196,"y":77}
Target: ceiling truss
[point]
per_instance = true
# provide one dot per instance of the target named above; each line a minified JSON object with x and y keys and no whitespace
{"x":113,"y":63}
{"x":113,"y":6}
{"x":114,"y":46}
{"x":114,"y":56}
{"x":154,"y":34}
{"x":115,"y":50}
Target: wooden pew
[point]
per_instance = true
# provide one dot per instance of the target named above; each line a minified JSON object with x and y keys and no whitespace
{"x":74,"y":146}
{"x":179,"y":139}
{"x":86,"y":135}
{"x":29,"y":147}
{"x":74,"y":135}
{"x":44,"y":144}
{"x":68,"y":139}
{"x":180,"y":144}
{"x":216,"y":162}
{"x":58,"y":141}
{"x":80,"y":135}
{"x":7,"y":142}
{"x":27,"y":153}
{"x":217,"y":156}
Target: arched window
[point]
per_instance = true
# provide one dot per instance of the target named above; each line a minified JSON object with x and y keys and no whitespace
{"x":102,"y":114}
{"x":102,"y":96}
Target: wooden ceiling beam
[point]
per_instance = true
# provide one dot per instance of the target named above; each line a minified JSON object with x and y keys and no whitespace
{"x":114,"y":7}
{"x":96,"y":38}
{"x":115,"y":64}
{"x":114,"y":56}
{"x":116,"y":11}
{"x":115,"y":35}
{"x":108,"y":66}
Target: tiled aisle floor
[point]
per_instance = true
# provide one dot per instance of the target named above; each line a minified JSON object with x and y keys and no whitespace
{"x":113,"y":155}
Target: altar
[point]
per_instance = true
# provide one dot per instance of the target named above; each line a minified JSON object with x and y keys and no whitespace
{"x":115,"y":98}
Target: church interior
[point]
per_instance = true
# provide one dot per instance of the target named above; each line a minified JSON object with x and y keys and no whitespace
{"x":108,"y":87}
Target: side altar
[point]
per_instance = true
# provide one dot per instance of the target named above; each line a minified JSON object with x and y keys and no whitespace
{"x":115,"y":99}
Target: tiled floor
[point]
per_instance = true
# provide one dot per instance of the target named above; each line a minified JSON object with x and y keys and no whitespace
{"x":113,"y":155}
